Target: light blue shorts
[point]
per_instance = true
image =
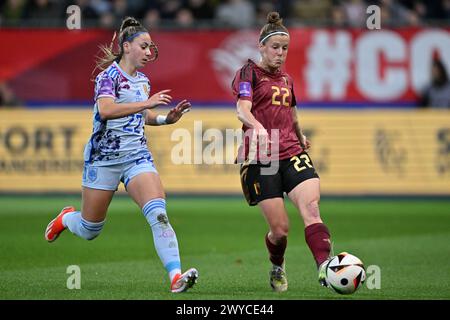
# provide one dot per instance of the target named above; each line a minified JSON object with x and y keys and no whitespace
{"x":108,"y":177}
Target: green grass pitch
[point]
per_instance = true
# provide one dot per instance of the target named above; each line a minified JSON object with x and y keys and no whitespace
{"x":224,"y":239}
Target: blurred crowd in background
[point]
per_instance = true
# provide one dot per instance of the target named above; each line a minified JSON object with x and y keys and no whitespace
{"x":193,"y":14}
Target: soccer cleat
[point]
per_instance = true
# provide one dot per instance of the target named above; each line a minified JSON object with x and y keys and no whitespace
{"x":323,"y":273}
{"x":323,"y":268}
{"x":55,"y":227}
{"x":182,"y":282}
{"x":278,"y":279}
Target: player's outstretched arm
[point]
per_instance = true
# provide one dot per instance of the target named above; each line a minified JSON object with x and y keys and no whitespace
{"x":108,"y":109}
{"x":153,"y":119}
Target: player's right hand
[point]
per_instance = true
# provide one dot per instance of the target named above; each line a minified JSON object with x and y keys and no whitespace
{"x":263,"y":139}
{"x":261,"y":132}
{"x":159,"y":98}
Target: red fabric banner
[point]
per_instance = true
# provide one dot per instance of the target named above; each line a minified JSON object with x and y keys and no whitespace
{"x":327,"y":65}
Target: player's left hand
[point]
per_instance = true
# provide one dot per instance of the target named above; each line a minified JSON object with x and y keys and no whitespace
{"x":306,"y":144}
{"x":176,"y":113}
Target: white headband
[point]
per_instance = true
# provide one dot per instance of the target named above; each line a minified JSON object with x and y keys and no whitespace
{"x":272,"y":34}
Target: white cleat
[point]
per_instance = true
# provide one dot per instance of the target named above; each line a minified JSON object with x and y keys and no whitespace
{"x":278,"y":279}
{"x":323,"y":273}
{"x":182,"y":282}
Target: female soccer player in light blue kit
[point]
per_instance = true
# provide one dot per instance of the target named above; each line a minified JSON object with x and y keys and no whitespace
{"x":117,"y":150}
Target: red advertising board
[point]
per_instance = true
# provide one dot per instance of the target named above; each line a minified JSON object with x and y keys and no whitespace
{"x":329,"y":66}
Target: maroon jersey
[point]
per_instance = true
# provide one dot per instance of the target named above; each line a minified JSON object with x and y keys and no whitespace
{"x":272,"y":97}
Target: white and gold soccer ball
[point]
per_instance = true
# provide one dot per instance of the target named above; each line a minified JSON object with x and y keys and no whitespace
{"x":345,"y":273}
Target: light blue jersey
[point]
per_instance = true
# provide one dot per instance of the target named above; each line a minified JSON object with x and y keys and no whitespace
{"x":119,"y":140}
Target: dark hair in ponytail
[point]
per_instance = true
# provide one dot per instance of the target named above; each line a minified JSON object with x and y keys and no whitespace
{"x":274,"y":24}
{"x":129,"y":28}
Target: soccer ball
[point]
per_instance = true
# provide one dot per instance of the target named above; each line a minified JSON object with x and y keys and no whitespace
{"x":345,"y":273}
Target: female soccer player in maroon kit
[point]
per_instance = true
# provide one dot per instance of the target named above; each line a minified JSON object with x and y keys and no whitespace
{"x":266,"y":106}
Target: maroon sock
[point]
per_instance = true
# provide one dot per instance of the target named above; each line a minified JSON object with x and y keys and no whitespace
{"x":276,"y":251}
{"x":318,"y":239}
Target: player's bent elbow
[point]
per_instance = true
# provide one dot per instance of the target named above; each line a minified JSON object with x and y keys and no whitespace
{"x":106,"y":108}
{"x":104,"y":115}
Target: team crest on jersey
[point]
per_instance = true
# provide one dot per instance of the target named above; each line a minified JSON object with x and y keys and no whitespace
{"x":285,"y":81}
{"x":146,"y":90}
{"x":92,"y":174}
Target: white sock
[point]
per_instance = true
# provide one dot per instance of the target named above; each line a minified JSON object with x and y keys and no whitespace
{"x":84,"y":229}
{"x":164,"y":236}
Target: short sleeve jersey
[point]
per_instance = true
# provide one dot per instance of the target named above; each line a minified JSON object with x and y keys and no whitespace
{"x":117,"y":140}
{"x":272,"y":96}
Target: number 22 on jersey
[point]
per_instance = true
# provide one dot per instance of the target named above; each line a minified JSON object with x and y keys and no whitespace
{"x":134,"y":123}
{"x":280,"y":96}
